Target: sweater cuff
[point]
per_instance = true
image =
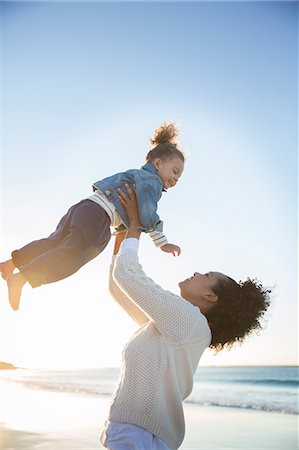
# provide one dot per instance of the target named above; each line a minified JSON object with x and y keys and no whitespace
{"x":129,"y":244}
{"x":158,"y":238}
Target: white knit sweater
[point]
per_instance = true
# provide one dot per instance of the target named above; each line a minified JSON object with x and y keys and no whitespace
{"x":160,"y":359}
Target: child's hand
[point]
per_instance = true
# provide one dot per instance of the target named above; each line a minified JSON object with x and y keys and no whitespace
{"x":171,"y":248}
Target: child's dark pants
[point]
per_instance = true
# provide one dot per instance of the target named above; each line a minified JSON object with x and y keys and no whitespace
{"x":80,"y":236}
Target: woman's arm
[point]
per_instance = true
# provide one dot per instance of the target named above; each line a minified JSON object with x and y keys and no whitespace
{"x":119,"y":296}
{"x":119,"y":237}
{"x":173,"y":316}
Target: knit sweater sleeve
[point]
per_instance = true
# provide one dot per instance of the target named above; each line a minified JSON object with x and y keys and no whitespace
{"x":173,"y":316}
{"x":124,"y":301}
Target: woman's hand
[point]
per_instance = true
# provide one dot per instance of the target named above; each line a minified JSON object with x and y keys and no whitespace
{"x":129,"y":202}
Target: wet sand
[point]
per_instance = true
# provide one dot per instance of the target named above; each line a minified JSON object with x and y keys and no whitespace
{"x":45,"y":420}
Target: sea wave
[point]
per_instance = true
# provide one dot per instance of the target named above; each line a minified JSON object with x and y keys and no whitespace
{"x":62,"y":388}
{"x":241,"y":405}
{"x":269,"y":382}
{"x":107,"y":389}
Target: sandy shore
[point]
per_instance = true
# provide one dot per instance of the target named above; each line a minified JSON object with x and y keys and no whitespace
{"x":44,"y":420}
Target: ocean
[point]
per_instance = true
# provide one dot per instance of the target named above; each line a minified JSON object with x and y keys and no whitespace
{"x":272,"y":389}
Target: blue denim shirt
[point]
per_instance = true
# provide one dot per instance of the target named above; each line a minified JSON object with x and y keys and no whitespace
{"x":149,"y":189}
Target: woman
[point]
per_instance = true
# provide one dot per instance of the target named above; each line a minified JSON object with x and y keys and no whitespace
{"x":159,"y":361}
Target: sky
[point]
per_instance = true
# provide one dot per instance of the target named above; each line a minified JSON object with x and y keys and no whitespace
{"x":83,"y":86}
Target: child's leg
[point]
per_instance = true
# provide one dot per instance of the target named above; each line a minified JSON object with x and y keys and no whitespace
{"x":36,"y":248}
{"x":88,"y":235}
{"x":15,"y":283}
{"x":29,"y":252}
{"x":6,"y":268}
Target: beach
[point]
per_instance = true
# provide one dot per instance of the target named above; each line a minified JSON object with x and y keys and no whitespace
{"x":37,"y":419}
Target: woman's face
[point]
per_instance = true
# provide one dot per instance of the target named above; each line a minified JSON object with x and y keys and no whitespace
{"x":199,"y":289}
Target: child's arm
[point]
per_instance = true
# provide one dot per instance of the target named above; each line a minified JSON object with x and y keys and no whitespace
{"x":148,"y":196}
{"x":147,"y":200}
{"x":160,"y":240}
{"x":118,"y":294}
{"x":171,"y":248}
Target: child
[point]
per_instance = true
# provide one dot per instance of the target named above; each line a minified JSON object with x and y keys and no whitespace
{"x":84,"y":231}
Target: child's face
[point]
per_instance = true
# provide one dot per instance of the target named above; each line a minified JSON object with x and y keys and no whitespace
{"x":169,"y":170}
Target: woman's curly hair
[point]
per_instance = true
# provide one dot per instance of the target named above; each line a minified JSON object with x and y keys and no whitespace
{"x":164,"y":143}
{"x":237,"y":312}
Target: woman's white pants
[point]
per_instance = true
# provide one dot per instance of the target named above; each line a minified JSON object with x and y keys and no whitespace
{"x":127,"y":436}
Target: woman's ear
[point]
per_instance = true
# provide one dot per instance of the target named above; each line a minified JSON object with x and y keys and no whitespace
{"x":210,"y":297}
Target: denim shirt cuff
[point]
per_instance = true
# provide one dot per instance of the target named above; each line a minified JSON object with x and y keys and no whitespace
{"x":146,"y":230}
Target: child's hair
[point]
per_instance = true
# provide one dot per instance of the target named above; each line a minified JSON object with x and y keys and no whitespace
{"x":238,"y":311}
{"x":164,"y":143}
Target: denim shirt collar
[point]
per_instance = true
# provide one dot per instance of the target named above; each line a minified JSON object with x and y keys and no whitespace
{"x":151,"y":168}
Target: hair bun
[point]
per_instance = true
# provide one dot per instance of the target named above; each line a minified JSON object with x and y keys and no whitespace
{"x":167,"y":132}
